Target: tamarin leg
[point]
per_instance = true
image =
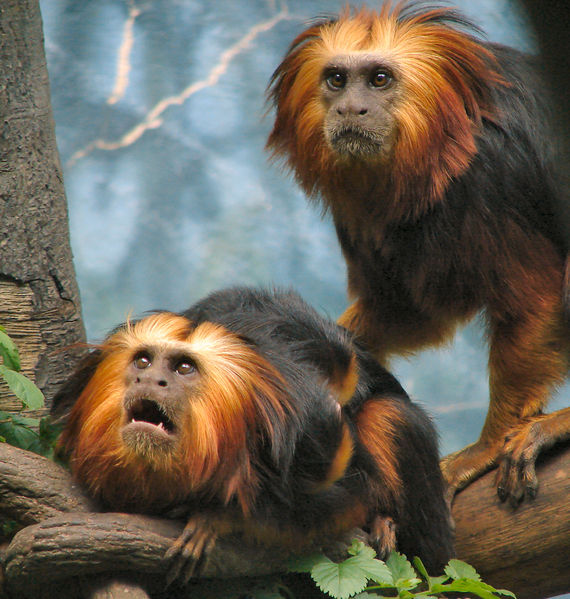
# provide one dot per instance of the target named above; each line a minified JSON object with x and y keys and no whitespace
{"x":396,"y":332}
{"x":527,"y":360}
{"x":382,"y":536}
{"x":400,"y":439}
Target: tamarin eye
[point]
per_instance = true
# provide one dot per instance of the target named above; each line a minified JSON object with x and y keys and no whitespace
{"x":184,"y":367}
{"x":336,"y":79}
{"x":380,"y":78}
{"x":142,"y":361}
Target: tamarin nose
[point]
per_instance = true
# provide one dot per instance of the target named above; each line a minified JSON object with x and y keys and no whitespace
{"x":348,"y":110}
{"x":151,"y":380}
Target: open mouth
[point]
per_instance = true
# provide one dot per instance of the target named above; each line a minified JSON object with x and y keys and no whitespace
{"x":149,"y":412}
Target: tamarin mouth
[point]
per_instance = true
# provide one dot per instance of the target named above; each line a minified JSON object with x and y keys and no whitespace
{"x":355,"y":141}
{"x":149,"y":411}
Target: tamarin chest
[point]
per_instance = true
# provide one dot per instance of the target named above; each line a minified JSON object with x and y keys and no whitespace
{"x":415,"y":264}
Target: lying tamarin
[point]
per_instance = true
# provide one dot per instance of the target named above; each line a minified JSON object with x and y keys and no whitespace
{"x":430,"y":149}
{"x":255,"y":415}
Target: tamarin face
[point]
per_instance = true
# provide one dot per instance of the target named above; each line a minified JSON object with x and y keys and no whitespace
{"x":159,"y":384}
{"x":359,"y":93}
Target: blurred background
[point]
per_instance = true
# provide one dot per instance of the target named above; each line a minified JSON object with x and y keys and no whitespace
{"x":161,"y":124}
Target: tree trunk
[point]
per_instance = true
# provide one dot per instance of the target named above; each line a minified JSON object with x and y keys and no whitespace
{"x":39,"y":300}
{"x":78,"y":549}
{"x":67,"y":548}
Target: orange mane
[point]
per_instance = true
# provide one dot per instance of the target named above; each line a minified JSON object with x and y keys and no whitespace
{"x":445,"y":74}
{"x":240,"y":396}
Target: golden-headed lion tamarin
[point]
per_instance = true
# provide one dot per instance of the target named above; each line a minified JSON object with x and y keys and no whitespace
{"x":255,"y":415}
{"x":430,"y":149}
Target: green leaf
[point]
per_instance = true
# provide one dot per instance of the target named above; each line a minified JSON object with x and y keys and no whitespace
{"x":464,"y":585}
{"x":18,"y":436}
{"x":419,"y":565}
{"x":305,"y":563}
{"x":403,"y":574}
{"x":373,"y":569}
{"x":339,"y":580}
{"x":23,"y":388}
{"x":49,"y":431}
{"x":47,"y":438}
{"x":364,"y":557}
{"x":9,"y":351}
{"x":505,"y":592}
{"x":359,"y":548}
{"x":431,"y":580}
{"x":19,"y":420}
{"x":407,"y":584}
{"x":457,"y":569}
{"x":438,"y":579}
{"x":400,"y":566}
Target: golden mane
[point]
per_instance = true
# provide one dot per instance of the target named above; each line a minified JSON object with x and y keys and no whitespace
{"x":445,"y":75}
{"x":240,"y":395}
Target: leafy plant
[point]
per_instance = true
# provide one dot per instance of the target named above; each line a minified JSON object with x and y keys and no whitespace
{"x":362,"y":576}
{"x":26,"y":432}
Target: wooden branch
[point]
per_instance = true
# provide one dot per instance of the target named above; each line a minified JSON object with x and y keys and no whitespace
{"x":81,"y":542}
{"x":522,"y":550}
{"x":518,"y":550}
{"x":33,"y":488}
{"x":72,"y":545}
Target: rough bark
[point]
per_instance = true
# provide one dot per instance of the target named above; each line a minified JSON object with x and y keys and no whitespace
{"x":33,"y":488}
{"x":524,"y":550}
{"x":39,"y":302}
{"x":65,"y":554}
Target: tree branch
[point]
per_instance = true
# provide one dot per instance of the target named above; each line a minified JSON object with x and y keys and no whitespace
{"x":33,"y":488}
{"x":74,"y":544}
{"x":518,"y":550}
{"x":522,"y":550}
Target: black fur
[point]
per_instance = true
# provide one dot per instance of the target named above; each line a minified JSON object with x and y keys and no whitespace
{"x":307,"y":350}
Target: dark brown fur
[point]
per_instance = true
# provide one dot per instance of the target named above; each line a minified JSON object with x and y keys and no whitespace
{"x":253,"y":414}
{"x":431,"y":151}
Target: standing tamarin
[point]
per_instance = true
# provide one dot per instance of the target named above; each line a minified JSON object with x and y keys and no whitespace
{"x":258,"y":416}
{"x":430,"y":149}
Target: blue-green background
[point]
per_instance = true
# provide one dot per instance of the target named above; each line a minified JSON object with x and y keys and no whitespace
{"x":193,"y":204}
